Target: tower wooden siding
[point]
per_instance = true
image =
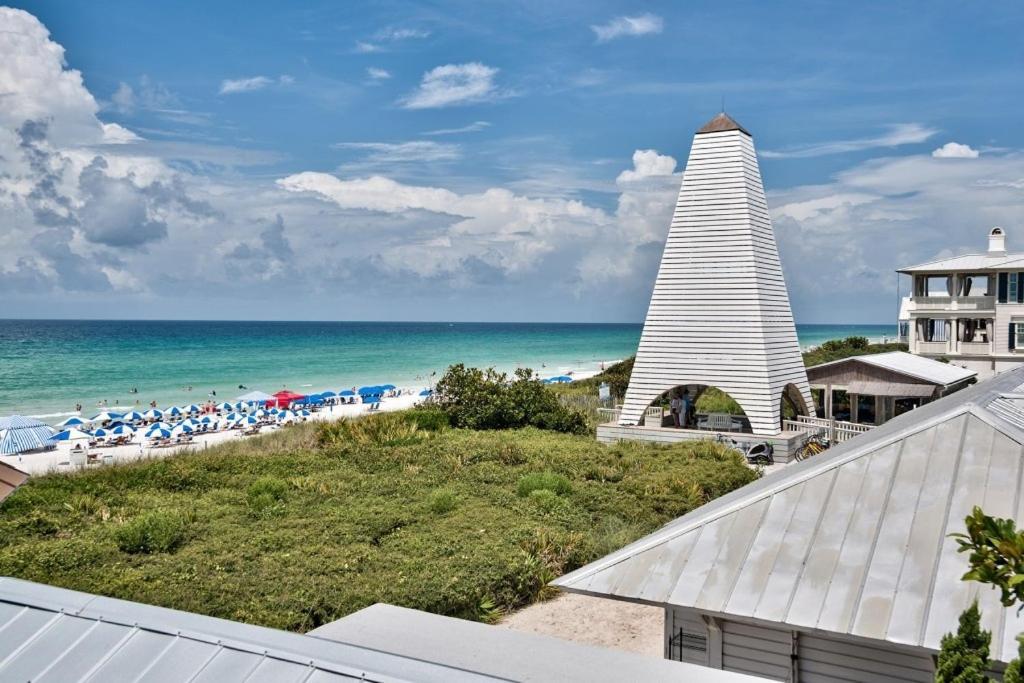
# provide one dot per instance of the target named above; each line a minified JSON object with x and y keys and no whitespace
{"x":719,"y":314}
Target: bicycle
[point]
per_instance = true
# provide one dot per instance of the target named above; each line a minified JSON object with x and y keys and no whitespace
{"x":815,"y":445}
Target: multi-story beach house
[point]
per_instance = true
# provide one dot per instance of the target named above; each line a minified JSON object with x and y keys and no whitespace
{"x":968,"y":309}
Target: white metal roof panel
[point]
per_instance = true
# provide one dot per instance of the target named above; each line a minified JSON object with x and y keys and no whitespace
{"x":920,"y":367}
{"x":855,"y":541}
{"x":508,"y":654}
{"x":52,"y":634}
{"x":969,"y":263}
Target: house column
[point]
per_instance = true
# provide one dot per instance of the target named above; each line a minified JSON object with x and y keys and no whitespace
{"x":853,"y":406}
{"x":828,"y":402}
{"x":879,"y":410}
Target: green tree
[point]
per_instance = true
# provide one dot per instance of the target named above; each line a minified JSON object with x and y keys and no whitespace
{"x":996,"y":550}
{"x":963,"y":657}
{"x":1013,"y":672}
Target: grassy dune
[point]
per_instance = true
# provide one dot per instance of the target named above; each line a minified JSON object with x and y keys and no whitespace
{"x":303,"y":526}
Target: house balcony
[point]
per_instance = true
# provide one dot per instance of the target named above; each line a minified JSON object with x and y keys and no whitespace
{"x":941,"y":348}
{"x":953,"y":303}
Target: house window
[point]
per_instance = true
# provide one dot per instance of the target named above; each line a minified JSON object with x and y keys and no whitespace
{"x":1019,"y":327}
{"x":688,"y":645}
{"x":1012,"y":296}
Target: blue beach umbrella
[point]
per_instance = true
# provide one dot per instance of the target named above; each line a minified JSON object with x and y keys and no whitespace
{"x":261,"y":413}
{"x":426,"y":392}
{"x":153,"y":414}
{"x":233,"y":417}
{"x":207,"y":419}
{"x":346,"y":392}
{"x":388,"y":387}
{"x":181,"y":428}
{"x":191,"y":422}
{"x":191,"y":408}
{"x":286,"y":415}
{"x":121,"y":430}
{"x":225,"y":406}
{"x":70,"y":435}
{"x":174,"y":411}
{"x":328,"y":394}
{"x":560,"y":379}
{"x":158,"y":425}
{"x":133,"y":416}
{"x":72,"y":422}
{"x":303,"y":413}
{"x":106,"y":416}
{"x":246,"y":421}
{"x":161,"y":433}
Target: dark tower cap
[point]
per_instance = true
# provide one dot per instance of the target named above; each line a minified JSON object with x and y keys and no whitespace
{"x":721,"y":123}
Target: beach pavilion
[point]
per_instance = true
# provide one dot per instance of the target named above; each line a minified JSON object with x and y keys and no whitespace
{"x":872,"y":389}
{"x":719,"y":314}
{"x":839,"y":567}
{"x":20,"y":434}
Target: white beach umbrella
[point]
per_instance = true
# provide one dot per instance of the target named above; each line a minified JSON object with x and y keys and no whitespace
{"x":106,"y":416}
{"x":74,"y":421}
{"x":153,"y":414}
{"x":133,"y":416}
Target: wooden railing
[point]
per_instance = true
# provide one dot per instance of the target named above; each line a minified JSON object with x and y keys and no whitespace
{"x":836,"y":431}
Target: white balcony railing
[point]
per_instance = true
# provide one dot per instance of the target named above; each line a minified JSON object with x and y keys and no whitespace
{"x":975,"y":348}
{"x":931,"y":347}
{"x":953,"y":303}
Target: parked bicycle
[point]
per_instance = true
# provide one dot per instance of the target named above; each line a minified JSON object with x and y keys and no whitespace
{"x":817,"y":443}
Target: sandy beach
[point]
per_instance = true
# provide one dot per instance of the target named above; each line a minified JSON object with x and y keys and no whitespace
{"x":59,"y":459}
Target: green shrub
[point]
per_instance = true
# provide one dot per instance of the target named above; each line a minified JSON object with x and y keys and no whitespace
{"x":151,"y":532}
{"x":487,"y":399}
{"x":442,"y":501}
{"x":381,"y":429}
{"x":267,"y":496}
{"x":430,"y":418}
{"x":549,"y":481}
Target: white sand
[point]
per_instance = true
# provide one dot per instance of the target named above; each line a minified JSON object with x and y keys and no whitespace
{"x":594,"y":621}
{"x":50,"y":461}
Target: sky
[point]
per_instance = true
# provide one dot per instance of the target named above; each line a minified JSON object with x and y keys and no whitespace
{"x":512,"y":161}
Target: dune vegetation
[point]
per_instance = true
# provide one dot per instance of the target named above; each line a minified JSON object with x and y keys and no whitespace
{"x":312,"y":522}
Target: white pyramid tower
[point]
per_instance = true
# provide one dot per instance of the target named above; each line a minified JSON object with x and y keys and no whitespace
{"x":719,"y":313}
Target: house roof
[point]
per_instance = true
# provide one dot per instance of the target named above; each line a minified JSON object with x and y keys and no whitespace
{"x":504,"y":653}
{"x":10,"y":479}
{"x":51,"y":634}
{"x":915,"y":367}
{"x":54,"y":635}
{"x":854,"y":541}
{"x":721,"y":123}
{"x":971,"y":263}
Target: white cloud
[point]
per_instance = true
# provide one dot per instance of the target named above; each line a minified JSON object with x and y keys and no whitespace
{"x":365,"y":48}
{"x":115,"y":134}
{"x":954,"y":150}
{"x":619,"y":27}
{"x":474,"y":127}
{"x":897,"y":135}
{"x":647,"y":163}
{"x":378,"y":74}
{"x":454,"y":84}
{"x":231,"y":86}
{"x":390,"y":152}
{"x":395,"y":34}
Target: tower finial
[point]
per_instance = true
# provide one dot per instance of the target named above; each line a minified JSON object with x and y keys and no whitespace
{"x":723,"y":104}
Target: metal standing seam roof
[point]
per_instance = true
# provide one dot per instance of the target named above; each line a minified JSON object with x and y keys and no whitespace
{"x":917,"y":367}
{"x":506,"y":653}
{"x":854,"y":541}
{"x":54,"y":635}
{"x":968,"y":262}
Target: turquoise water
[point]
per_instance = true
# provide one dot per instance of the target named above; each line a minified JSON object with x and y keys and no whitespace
{"x":47,"y":366}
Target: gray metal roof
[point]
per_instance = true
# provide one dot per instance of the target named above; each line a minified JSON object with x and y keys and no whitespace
{"x":916,"y":367}
{"x":505,"y":653}
{"x":970,"y":263}
{"x":10,"y":479}
{"x":53,"y":635}
{"x":854,"y":541}
{"x":720,"y":123}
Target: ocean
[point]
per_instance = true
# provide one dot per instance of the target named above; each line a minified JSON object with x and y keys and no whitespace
{"x":49,"y":366}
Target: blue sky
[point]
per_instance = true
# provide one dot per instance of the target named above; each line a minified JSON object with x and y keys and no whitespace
{"x":494,"y":161}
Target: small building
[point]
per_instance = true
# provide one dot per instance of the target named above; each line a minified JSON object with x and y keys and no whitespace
{"x":839,"y":567}
{"x":54,"y":635}
{"x":874,"y":388}
{"x":719,"y":314}
{"x":969,"y":309}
